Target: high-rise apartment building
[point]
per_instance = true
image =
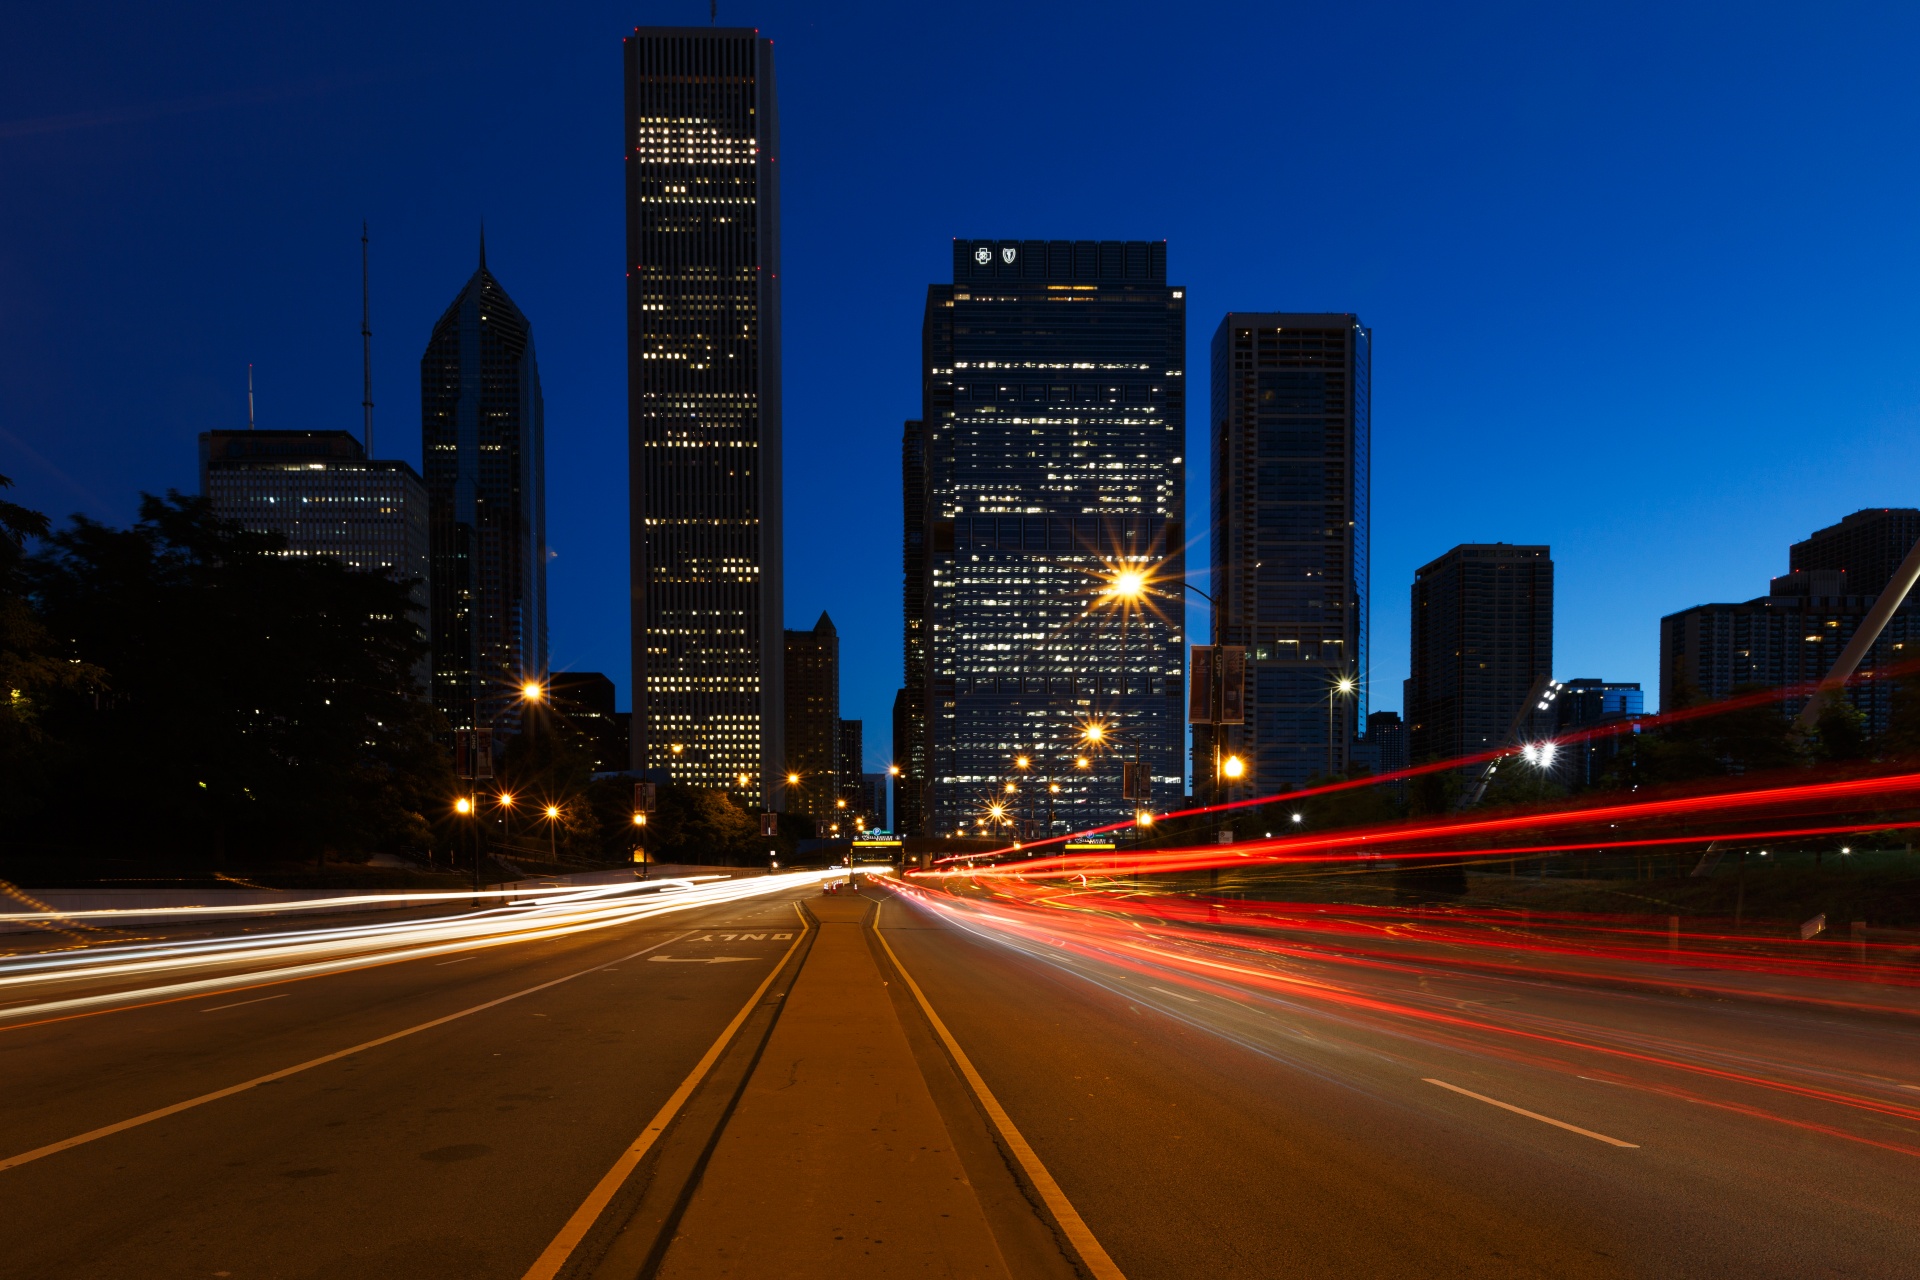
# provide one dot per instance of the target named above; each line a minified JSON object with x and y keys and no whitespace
{"x":1291,"y":437}
{"x":1053,"y":432}
{"x":812,"y":730}
{"x":1383,"y":748}
{"x":703,"y":388}
{"x":1867,"y":547}
{"x":1794,"y":634}
{"x":483,"y":451}
{"x":1584,"y":706}
{"x":852,"y":750}
{"x":1482,"y":638}
{"x":320,"y":491}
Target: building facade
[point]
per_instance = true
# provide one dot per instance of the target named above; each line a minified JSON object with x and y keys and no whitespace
{"x":1053,"y":421}
{"x":1867,"y":547}
{"x":1589,"y":704}
{"x":483,"y":451}
{"x":1291,"y":437}
{"x":320,"y":491}
{"x":583,"y":704}
{"x":1383,"y":748}
{"x":812,"y":730}
{"x":1482,"y":638}
{"x":911,"y":743}
{"x":1789,"y":637}
{"x":703,"y":386}
{"x":852,"y":751}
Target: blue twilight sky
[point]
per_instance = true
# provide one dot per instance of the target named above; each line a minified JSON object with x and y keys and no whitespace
{"x":1642,"y":278}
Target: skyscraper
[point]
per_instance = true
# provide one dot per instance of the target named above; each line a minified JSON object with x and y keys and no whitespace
{"x":1482,"y":637}
{"x":1867,"y":546}
{"x":703,"y":388}
{"x":852,"y":751}
{"x":1291,"y":436}
{"x":483,"y":451}
{"x":320,"y":491}
{"x":910,"y":743}
{"x":1794,"y":634}
{"x":1053,"y":426}
{"x":812,"y":688}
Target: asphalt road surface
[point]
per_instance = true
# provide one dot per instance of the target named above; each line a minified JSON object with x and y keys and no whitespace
{"x":1208,"y":1114}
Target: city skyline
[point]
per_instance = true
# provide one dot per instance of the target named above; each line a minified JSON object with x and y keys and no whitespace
{"x":1717,"y":426}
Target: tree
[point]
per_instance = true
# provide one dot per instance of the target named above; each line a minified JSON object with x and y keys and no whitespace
{"x":253,"y":700}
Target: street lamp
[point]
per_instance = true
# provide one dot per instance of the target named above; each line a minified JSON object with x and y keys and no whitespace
{"x":1342,"y":687}
{"x":1233,"y":766}
{"x":553,"y":819}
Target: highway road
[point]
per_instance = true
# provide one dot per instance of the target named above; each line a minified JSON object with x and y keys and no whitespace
{"x":1208,"y":1107}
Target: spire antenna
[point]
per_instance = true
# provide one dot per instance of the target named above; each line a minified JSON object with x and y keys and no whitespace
{"x":366,"y":347}
{"x":249,"y":395}
{"x":483,"y":244}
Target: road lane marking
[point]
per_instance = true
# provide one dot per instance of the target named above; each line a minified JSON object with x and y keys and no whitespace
{"x":555,"y":1255}
{"x":237,"y":1003}
{"x":462,"y":960}
{"x":1078,"y":1234}
{"x":700,"y":959}
{"x":161,"y":1113}
{"x":1532,"y":1115}
{"x":1175,"y":994}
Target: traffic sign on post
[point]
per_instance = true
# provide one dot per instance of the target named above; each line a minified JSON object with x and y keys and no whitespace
{"x":769,"y":825}
{"x":646,"y":797}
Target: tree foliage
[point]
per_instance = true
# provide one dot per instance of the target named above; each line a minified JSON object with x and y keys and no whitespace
{"x":233,"y":697}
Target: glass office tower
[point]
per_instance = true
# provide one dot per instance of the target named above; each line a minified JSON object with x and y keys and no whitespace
{"x":703,"y":387}
{"x":483,"y":455}
{"x":1291,"y":438}
{"x":1053,"y":423}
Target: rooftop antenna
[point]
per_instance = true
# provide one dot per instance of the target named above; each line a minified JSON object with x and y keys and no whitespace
{"x":366,"y":346}
{"x":249,"y":395}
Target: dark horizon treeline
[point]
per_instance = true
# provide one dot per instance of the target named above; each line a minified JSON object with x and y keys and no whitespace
{"x":183,"y":693}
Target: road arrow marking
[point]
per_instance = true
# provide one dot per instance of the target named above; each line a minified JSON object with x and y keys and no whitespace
{"x":700,"y":959}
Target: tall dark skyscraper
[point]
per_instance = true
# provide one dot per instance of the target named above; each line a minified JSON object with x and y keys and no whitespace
{"x":1291,"y":437}
{"x":1482,"y":635}
{"x":812,"y":714}
{"x":703,"y":388}
{"x":483,"y":452}
{"x":910,"y":742}
{"x":1053,"y":427}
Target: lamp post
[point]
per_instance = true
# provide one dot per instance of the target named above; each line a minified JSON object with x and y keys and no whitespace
{"x":1342,"y":687}
{"x":553,"y":820}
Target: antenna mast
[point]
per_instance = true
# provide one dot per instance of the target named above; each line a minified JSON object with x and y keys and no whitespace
{"x":249,"y":395}
{"x":366,"y":347}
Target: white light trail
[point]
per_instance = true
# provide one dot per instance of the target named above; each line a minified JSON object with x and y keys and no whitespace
{"x":171,"y":970}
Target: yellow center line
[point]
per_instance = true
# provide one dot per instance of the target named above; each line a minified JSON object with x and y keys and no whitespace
{"x":1078,"y":1234}
{"x":555,"y":1255}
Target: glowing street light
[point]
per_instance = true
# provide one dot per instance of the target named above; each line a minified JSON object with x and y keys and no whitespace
{"x":463,"y":805}
{"x":793,"y":779}
{"x":1299,"y":817}
{"x":639,"y":819}
{"x":1081,"y":762}
{"x":1021,"y":762}
{"x":1233,"y":766}
{"x":893,"y":770}
{"x":1128,"y":584}
{"x":1539,"y":754}
{"x":532,"y":691}
{"x":553,"y":811}
{"x":1011,"y":788}
{"x":1095,"y":733}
